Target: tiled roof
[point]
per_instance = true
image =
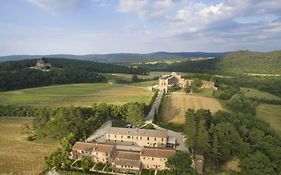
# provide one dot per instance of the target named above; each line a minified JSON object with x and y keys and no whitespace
{"x":156,"y":152}
{"x":126,"y":155}
{"x":138,"y":132}
{"x":131,"y":163}
{"x":93,"y":147}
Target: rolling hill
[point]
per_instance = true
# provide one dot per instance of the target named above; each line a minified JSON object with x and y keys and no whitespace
{"x":119,"y":57}
{"x":234,"y":63}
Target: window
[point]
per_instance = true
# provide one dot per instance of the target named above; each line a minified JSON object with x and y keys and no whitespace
{"x":121,"y":140}
{"x":152,"y":158}
{"x":137,"y":138}
{"x":108,"y":135}
{"x":143,"y":158}
{"x":141,"y":138}
{"x":162,"y":139}
{"x":109,"y":140}
{"x":121,"y":137}
{"x":97,"y":153}
{"x":115,"y":136}
{"x":147,"y":138}
{"x":128,"y":137}
{"x":155,"y":139}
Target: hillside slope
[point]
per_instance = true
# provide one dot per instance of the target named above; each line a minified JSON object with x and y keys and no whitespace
{"x":234,"y":63}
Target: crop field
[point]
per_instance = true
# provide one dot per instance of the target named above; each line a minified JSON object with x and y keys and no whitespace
{"x":176,"y":105}
{"x":18,"y":155}
{"x":259,"y":94}
{"x":270,"y":114}
{"x":76,"y":95}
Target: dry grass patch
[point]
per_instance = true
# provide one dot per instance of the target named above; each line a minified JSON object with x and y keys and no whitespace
{"x":18,"y":155}
{"x":177,"y":104}
{"x":270,"y":114}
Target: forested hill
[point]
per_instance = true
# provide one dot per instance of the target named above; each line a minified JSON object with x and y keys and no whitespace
{"x":120,"y":57}
{"x":18,"y":75}
{"x":234,"y":63}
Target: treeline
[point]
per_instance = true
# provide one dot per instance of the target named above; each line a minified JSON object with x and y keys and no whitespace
{"x":81,"y":121}
{"x":18,"y":75}
{"x":224,"y":136}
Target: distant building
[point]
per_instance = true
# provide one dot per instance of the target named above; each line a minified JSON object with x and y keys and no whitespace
{"x":42,"y":65}
{"x":208,"y":85}
{"x":167,"y":81}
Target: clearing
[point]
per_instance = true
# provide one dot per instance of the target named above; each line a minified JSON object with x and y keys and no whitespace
{"x":177,"y":104}
{"x":270,"y":114}
{"x":18,"y":155}
{"x":76,"y":95}
{"x":259,"y":94}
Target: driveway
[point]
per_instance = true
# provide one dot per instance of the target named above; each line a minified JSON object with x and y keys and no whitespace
{"x":149,"y":118}
{"x":99,"y":134}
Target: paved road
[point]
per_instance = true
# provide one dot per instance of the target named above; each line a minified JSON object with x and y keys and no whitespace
{"x":99,"y":134}
{"x":149,"y":118}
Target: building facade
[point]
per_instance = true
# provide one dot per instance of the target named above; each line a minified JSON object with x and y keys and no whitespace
{"x":123,"y":160}
{"x":138,"y":137}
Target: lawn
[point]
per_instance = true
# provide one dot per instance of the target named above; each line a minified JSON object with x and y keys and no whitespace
{"x":76,"y":95}
{"x":18,"y":155}
{"x":259,"y":94}
{"x":270,"y":114}
{"x":176,"y":105}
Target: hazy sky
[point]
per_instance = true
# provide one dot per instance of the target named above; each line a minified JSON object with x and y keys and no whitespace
{"x":110,"y":26}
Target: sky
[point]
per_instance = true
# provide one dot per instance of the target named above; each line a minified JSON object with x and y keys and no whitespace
{"x":138,"y":26}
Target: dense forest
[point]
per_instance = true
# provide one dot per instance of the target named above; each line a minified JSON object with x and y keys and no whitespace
{"x":18,"y":75}
{"x":232,"y":63}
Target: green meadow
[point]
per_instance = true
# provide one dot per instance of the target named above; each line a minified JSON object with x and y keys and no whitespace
{"x":76,"y":95}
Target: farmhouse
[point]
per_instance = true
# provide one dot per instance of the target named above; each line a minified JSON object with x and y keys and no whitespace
{"x":167,"y":81}
{"x":208,"y":85}
{"x":124,"y":159}
{"x":42,"y":65}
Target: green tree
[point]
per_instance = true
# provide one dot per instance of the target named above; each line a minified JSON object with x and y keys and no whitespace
{"x":257,"y":164}
{"x":86,"y":163}
{"x":187,"y":89}
{"x":180,"y":164}
{"x":190,"y":128}
{"x":135,"y":113}
{"x":134,"y":78}
{"x":202,"y":138}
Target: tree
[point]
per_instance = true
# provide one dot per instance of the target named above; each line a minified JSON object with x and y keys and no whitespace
{"x":257,"y":164}
{"x":180,"y":164}
{"x":202,"y":138}
{"x":190,"y":128}
{"x":86,"y":163}
{"x":134,"y":78}
{"x":187,"y":89}
{"x":135,"y":113}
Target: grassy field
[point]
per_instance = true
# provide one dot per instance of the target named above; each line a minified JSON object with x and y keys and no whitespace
{"x":18,"y":155}
{"x":270,"y":114}
{"x":176,"y":105}
{"x":259,"y":94}
{"x":76,"y":95}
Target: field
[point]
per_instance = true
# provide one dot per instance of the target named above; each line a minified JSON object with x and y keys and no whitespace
{"x":176,"y":105}
{"x":270,"y":114}
{"x":18,"y":155}
{"x":76,"y":95}
{"x":259,"y":94}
